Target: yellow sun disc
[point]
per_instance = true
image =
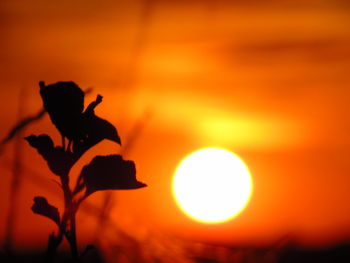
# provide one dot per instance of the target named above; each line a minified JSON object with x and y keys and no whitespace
{"x":212,"y":185}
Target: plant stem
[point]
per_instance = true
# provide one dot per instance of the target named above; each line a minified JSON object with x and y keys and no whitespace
{"x":55,"y":241}
{"x":67,"y":226}
{"x":52,"y":246}
{"x":70,"y":210}
{"x":73,"y":236}
{"x":68,"y":219}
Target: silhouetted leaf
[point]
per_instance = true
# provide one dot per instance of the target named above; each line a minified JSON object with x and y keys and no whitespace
{"x":57,"y":159}
{"x":42,"y":207}
{"x":100,"y":129}
{"x":64,"y":101}
{"x":43,"y":143}
{"x":110,"y":173}
{"x":95,"y":129}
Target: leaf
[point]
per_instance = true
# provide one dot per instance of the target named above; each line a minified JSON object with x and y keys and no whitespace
{"x":100,"y":129}
{"x":95,"y":129}
{"x":43,"y":143}
{"x":58,"y":160}
{"x":110,"y":173}
{"x":42,"y":207}
{"x":64,"y":102}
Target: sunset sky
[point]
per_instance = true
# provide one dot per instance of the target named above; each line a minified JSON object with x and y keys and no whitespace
{"x":264,"y":79}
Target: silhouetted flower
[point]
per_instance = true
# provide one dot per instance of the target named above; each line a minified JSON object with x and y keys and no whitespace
{"x":110,"y":173}
{"x":64,"y":102}
{"x":58,"y":160}
{"x":42,"y":207}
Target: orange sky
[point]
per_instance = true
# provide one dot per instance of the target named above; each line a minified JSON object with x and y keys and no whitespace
{"x":267,"y":81}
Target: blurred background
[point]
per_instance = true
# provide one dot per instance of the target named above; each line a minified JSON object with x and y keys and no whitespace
{"x":268,"y":80}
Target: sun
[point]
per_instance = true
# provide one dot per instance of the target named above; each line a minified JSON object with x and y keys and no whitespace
{"x":212,"y":185}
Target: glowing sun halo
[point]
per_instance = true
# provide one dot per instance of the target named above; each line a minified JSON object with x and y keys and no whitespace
{"x":212,"y":185}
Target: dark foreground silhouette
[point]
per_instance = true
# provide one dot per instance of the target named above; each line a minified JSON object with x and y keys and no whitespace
{"x":80,"y":130}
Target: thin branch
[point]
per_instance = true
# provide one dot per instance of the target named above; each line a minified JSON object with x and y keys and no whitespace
{"x":20,"y":126}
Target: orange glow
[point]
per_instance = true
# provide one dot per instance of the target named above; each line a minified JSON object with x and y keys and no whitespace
{"x":267,"y":79}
